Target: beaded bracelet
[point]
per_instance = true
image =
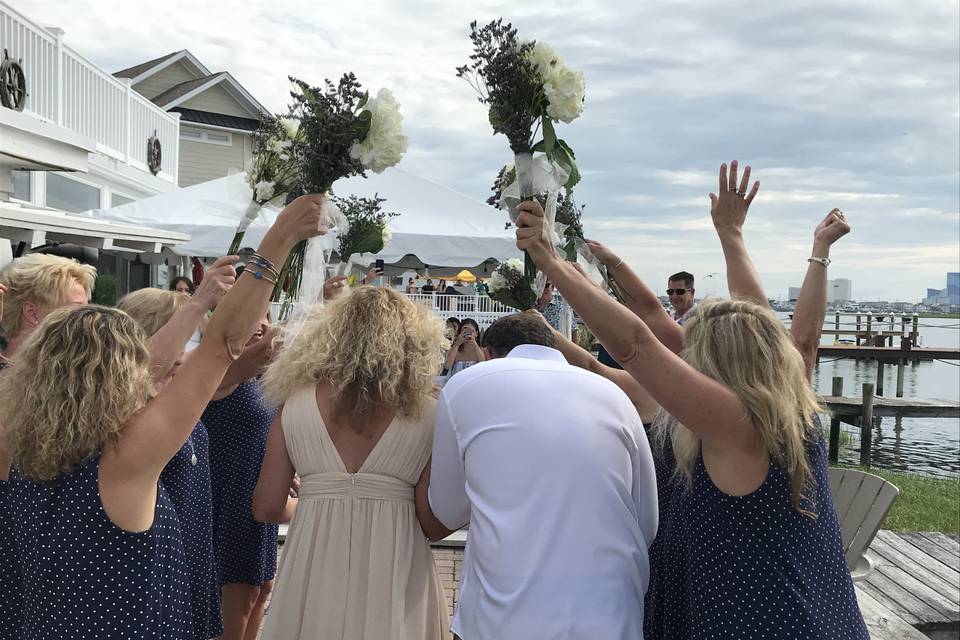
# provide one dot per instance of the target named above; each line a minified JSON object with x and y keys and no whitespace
{"x":261,"y":275}
{"x":259,"y":261}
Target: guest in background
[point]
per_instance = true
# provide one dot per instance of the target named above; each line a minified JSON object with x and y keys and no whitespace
{"x":356,"y":426}
{"x":411,"y":286}
{"x":552,"y":309}
{"x":465,"y":350}
{"x":238,"y":421}
{"x":86,"y":438}
{"x":452,"y":328}
{"x":183,"y":284}
{"x":681,"y":292}
{"x":428,"y":288}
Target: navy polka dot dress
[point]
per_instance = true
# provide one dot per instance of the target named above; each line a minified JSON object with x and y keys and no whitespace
{"x":246,"y":550}
{"x":187,"y":480}
{"x":749,"y":567}
{"x":11,"y":582}
{"x":84,"y":577}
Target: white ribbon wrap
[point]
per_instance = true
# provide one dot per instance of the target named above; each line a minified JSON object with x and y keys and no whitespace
{"x":314,"y":271}
{"x":546,"y":178}
{"x":590,"y":263}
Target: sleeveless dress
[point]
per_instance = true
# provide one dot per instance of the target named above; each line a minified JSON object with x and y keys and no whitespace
{"x":11,"y":582}
{"x":751,"y":567}
{"x":83,"y":576}
{"x":356,"y":565}
{"x":245,"y":550}
{"x":188,"y":485}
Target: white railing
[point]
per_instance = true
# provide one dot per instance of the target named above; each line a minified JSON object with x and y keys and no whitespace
{"x":484,"y":309}
{"x":65,"y":88}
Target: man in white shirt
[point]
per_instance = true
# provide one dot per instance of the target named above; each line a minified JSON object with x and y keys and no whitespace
{"x":550,"y":466}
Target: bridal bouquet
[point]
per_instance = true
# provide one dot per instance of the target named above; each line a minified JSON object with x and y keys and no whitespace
{"x":343,"y":132}
{"x":364,"y":230}
{"x":509,"y":286}
{"x":527,"y":88}
{"x":271,"y":172}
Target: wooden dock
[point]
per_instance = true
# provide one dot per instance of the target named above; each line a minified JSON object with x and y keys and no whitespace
{"x":915,"y":584}
{"x":848,"y":409}
{"x":888,"y":354}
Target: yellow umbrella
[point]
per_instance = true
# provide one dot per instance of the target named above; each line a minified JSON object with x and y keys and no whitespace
{"x":466,"y":276}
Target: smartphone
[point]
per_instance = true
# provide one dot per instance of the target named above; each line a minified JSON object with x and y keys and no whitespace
{"x":378,"y":265}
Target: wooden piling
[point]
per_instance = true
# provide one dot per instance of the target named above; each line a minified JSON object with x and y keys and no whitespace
{"x":866,"y":424}
{"x":879,"y":387}
{"x":901,"y":365}
{"x":835,"y":422}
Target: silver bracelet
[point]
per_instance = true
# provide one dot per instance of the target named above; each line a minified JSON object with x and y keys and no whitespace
{"x":618,"y":264}
{"x":824,"y":261}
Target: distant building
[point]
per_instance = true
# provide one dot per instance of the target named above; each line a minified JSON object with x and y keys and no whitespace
{"x":793,"y":293}
{"x":950,"y":295}
{"x":839,"y":290}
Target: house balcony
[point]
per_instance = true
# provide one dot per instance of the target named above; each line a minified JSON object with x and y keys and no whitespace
{"x":73,"y":107}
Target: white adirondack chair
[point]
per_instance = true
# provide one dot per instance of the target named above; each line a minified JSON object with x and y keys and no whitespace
{"x":862,"y":500}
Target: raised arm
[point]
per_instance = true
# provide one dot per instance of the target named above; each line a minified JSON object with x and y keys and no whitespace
{"x":710,"y":409}
{"x":812,"y":303}
{"x":167,"y":343}
{"x":639,"y":298}
{"x":154,"y":436}
{"x":728,"y":209}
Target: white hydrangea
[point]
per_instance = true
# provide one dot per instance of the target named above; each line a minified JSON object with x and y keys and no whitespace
{"x":496,"y":283}
{"x":291,"y":127}
{"x":264,"y":191}
{"x":385,"y":143}
{"x":516,"y":264}
{"x":280,"y":146}
{"x":564,"y":87}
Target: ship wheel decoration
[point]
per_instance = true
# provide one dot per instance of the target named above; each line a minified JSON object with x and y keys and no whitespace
{"x":13,"y":83}
{"x":154,"y":154}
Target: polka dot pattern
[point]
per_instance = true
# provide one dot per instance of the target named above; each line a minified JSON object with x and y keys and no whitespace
{"x":84,"y":577}
{"x":189,"y":487}
{"x":11,"y":582}
{"x":238,"y":425}
{"x":748,"y":567}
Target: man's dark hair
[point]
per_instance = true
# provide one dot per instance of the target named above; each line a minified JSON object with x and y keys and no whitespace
{"x":682,"y":275}
{"x":514,"y":330}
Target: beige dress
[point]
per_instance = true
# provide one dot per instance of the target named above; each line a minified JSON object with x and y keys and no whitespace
{"x":356,"y":565}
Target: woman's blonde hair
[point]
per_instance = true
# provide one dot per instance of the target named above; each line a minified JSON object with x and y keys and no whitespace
{"x":747,"y":348}
{"x":79,"y":378}
{"x":152,"y":308}
{"x":372,"y":345}
{"x":42,"y":279}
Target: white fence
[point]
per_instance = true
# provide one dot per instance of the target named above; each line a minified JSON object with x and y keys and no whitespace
{"x":483,"y":309}
{"x":65,"y":88}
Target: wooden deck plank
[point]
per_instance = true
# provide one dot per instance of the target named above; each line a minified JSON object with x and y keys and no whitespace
{"x":943,"y":541}
{"x":882,"y":623}
{"x":886,"y":406}
{"x":888,"y":603}
{"x":948,"y":587}
{"x":951,"y":574}
{"x":930,"y":548}
{"x":944,"y":610}
{"x":890,"y":354}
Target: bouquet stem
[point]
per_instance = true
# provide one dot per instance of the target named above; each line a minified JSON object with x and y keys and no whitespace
{"x":235,"y":245}
{"x":524,"y":166}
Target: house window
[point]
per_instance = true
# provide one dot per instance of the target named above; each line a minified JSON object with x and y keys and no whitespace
{"x":67,"y":194}
{"x":117,"y":199}
{"x":21,"y":185}
{"x":205,"y":135}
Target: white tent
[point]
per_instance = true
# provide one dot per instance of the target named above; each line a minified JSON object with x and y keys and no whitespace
{"x":438,"y":227}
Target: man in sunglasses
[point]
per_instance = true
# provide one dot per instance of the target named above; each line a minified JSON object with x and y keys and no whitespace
{"x":680,"y":291}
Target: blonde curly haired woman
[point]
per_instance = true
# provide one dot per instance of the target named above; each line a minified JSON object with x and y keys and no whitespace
{"x":88,"y":437}
{"x":750,"y":544}
{"x":357,"y":427}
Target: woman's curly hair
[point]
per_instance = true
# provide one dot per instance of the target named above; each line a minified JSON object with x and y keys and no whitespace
{"x":77,"y":381}
{"x":372,"y":345}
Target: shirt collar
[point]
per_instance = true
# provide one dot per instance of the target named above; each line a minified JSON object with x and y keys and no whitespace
{"x":536,"y":352}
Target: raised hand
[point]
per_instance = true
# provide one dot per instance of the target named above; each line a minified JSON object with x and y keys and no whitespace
{"x":602,"y":252}
{"x":729,"y":209}
{"x":303,"y":218}
{"x":332,"y":287}
{"x":831,"y":228}
{"x":216,"y":282}
{"x":531,"y":235}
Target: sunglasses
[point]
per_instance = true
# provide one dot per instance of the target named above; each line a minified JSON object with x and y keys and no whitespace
{"x":679,"y":292}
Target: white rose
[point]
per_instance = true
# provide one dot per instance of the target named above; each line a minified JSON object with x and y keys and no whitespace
{"x":264,"y":191}
{"x":385,"y":143}
{"x":387,"y":235}
{"x":291,"y":126}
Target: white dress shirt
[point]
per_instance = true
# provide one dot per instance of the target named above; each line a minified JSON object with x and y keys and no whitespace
{"x":550,"y":466}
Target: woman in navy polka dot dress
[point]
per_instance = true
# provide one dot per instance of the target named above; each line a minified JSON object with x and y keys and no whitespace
{"x":88,"y":439}
{"x":246,"y":550}
{"x":749,"y":541}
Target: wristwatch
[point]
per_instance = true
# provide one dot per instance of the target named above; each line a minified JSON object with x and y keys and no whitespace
{"x":824,"y":261}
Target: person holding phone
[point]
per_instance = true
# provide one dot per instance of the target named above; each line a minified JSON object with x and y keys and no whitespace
{"x":465,"y":350}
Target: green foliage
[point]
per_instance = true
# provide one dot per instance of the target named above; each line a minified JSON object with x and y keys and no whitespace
{"x":367,"y":224}
{"x":105,"y":290}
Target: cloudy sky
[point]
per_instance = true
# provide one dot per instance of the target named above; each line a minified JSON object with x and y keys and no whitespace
{"x":834,"y":103}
